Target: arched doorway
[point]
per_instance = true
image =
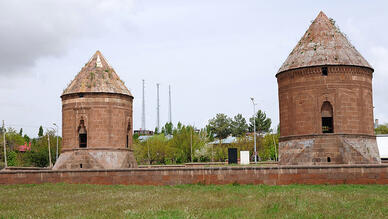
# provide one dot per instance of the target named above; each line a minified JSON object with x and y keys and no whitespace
{"x":82,"y":135}
{"x":327,"y":117}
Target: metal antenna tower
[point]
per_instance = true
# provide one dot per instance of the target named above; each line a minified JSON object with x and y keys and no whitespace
{"x":143,"y":125}
{"x":169,"y":104}
{"x":157,"y":107}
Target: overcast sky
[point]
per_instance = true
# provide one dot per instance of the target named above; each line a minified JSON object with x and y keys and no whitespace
{"x":215,"y":54}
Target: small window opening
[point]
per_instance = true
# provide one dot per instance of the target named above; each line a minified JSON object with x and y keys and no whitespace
{"x":127,"y":141}
{"x":327,"y":118}
{"x":324,"y":71}
{"x":82,"y":135}
{"x":80,"y":165}
{"x":328,"y":159}
{"x":81,"y":95}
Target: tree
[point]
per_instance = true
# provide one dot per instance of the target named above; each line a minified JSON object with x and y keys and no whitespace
{"x":381,"y":129}
{"x":38,"y":156}
{"x":13,"y":139}
{"x":183,"y":138}
{"x":40,"y":133}
{"x":26,"y":138}
{"x":220,"y":126}
{"x":239,"y":126}
{"x":21,"y":132}
{"x":156,"y":131}
{"x":167,"y":128}
{"x":269,"y":147}
{"x":263,"y":124}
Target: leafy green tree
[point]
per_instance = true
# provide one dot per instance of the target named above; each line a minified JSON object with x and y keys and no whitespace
{"x":156,"y":150}
{"x":269,"y":147}
{"x":167,"y":128}
{"x":13,"y":139}
{"x":26,"y":138}
{"x":159,"y":149}
{"x":220,"y":126}
{"x":185,"y":140}
{"x":382,"y":129}
{"x":239,"y":126}
{"x":40,"y":133}
{"x":38,"y":155}
{"x":21,"y":132}
{"x":263,"y":124}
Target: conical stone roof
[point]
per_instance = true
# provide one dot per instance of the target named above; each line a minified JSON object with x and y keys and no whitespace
{"x":323,"y":44}
{"x":97,"y":76}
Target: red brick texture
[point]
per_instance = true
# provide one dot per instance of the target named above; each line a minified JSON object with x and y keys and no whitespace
{"x":302,"y":94}
{"x":107,"y":119}
{"x":275,"y":175}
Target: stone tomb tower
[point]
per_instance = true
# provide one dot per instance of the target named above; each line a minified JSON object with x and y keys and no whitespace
{"x":96,"y":120}
{"x":325,"y":101}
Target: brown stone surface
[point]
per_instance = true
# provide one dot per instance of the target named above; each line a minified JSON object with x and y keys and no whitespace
{"x":323,"y":44}
{"x":328,"y":149}
{"x":96,"y":159}
{"x":97,"y":76}
{"x":303,"y":91}
{"x":275,"y":175}
{"x":107,"y":118}
{"x":97,"y":103}
{"x":326,"y":72}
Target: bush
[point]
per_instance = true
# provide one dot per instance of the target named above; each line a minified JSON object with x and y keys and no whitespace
{"x":11,"y":158}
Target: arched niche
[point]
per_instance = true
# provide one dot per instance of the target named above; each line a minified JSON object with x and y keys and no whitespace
{"x":82,"y":135}
{"x":327,"y":117}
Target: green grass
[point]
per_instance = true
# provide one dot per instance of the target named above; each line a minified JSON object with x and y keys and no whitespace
{"x":193,"y":201}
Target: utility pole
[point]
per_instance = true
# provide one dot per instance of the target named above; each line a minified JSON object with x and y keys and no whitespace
{"x":191,"y":144}
{"x":254,"y":127}
{"x":143,"y":125}
{"x":56,"y":155}
{"x":49,"y":151}
{"x":5,"y":149}
{"x":157,"y":108}
{"x":169,"y":104}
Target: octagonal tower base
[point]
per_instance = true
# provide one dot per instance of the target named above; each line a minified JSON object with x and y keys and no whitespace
{"x":323,"y":149}
{"x":85,"y":158}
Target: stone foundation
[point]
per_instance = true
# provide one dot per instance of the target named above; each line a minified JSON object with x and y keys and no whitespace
{"x":327,"y":149}
{"x":96,"y":159}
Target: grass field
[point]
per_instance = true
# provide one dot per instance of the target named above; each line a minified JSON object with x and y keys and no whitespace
{"x":193,"y":201}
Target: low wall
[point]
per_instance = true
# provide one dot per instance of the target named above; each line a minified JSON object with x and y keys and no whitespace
{"x":271,"y":175}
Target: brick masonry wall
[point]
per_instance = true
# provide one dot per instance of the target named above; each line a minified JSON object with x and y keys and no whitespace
{"x":106,"y":118}
{"x":303,"y":91}
{"x":274,"y":175}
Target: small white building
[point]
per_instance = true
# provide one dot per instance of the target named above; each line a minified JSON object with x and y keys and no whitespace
{"x":382,"y":144}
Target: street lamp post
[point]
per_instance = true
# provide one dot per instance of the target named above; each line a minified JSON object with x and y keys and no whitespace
{"x":254,"y":128}
{"x":56,"y":155}
{"x":49,"y":151}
